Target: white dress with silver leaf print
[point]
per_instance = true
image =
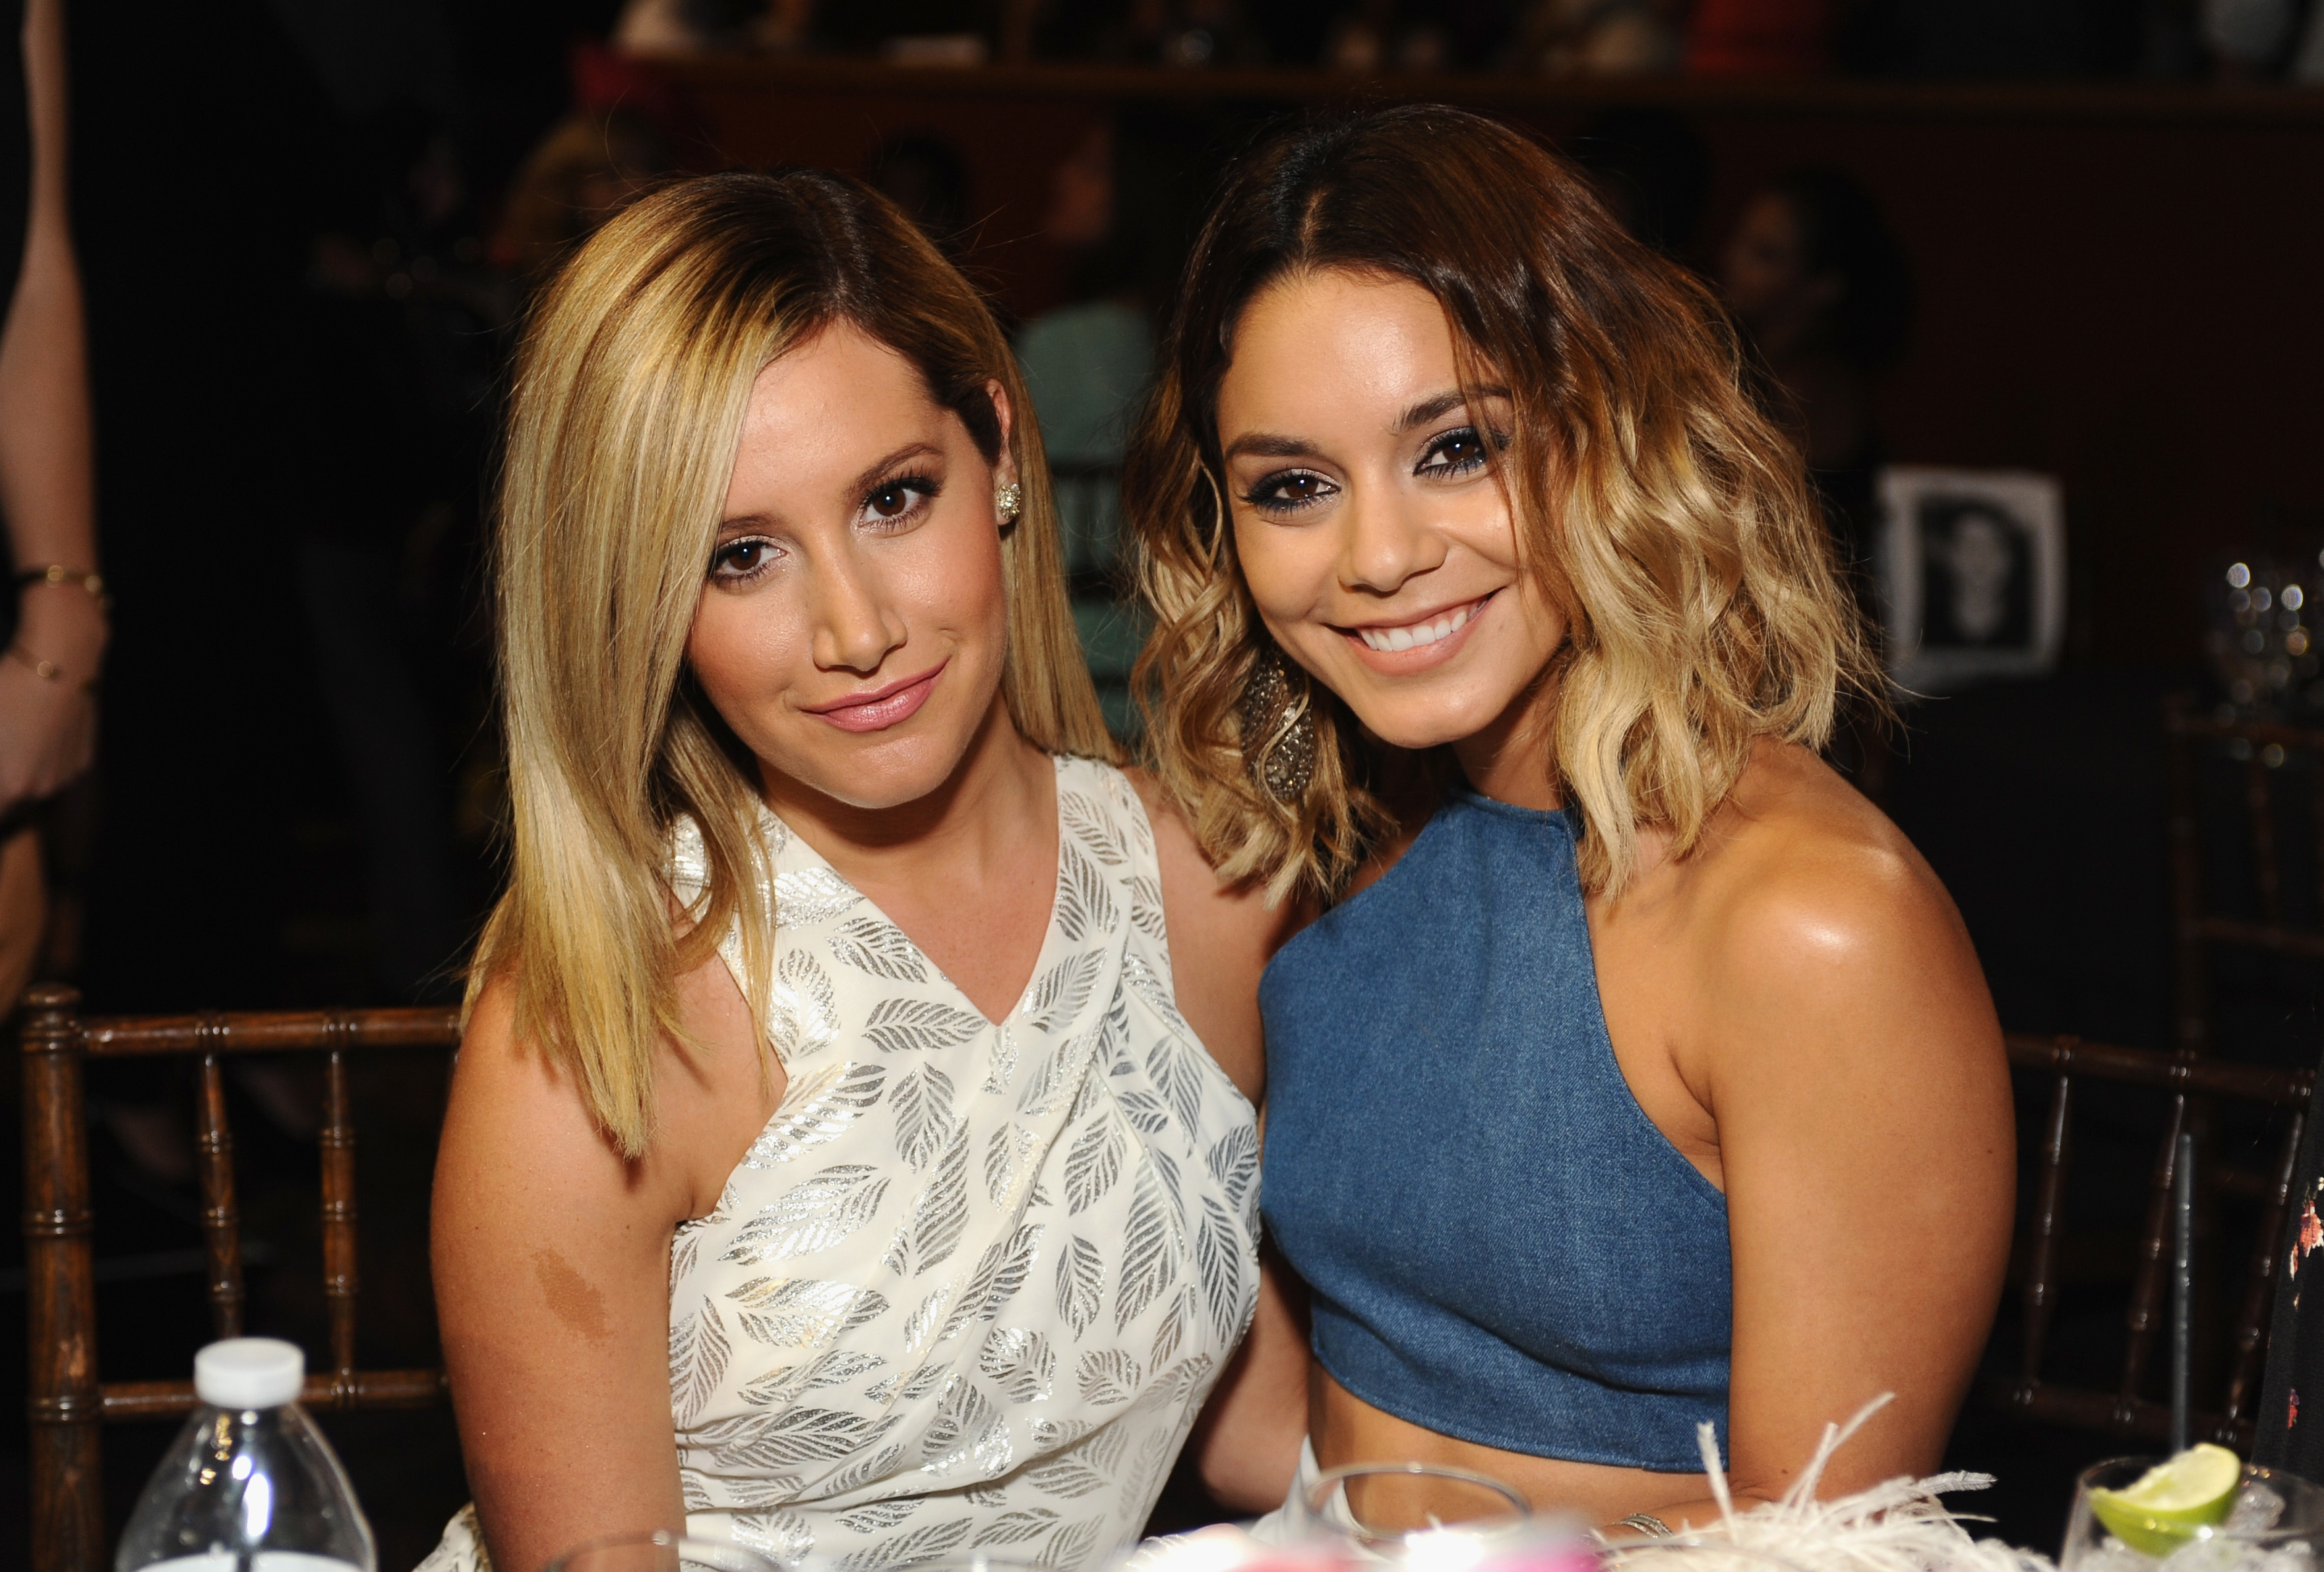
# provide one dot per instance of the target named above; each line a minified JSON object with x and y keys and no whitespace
{"x":970,"y":1285}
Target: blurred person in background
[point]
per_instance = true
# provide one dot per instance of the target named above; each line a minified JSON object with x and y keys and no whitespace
{"x":1822,"y":291}
{"x":589,"y":167}
{"x":58,"y":630}
{"x":1122,"y":206}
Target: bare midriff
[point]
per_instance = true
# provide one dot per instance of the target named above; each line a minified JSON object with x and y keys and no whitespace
{"x":1344,"y":1429}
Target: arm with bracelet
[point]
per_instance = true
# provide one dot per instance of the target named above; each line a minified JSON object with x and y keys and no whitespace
{"x":47,"y":710}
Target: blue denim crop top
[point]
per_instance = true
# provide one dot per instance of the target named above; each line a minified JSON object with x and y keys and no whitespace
{"x":1501,"y":1246}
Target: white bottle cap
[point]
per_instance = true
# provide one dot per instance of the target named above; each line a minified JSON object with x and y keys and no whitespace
{"x":250,"y":1373}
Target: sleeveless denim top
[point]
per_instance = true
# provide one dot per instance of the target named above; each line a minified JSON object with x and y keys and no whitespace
{"x":1501,"y":1246}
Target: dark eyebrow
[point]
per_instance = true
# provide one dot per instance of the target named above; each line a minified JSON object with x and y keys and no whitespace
{"x":873,"y":471}
{"x":1428,"y":409}
{"x":1268,"y":444}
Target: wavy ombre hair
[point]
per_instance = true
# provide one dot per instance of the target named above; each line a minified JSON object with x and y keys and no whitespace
{"x":631,"y":389}
{"x":1655,"y":504}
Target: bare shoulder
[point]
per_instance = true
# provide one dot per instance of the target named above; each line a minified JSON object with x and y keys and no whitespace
{"x":1222,"y":936}
{"x":1228,"y":914}
{"x":1825,"y":945}
{"x":1800,"y":873}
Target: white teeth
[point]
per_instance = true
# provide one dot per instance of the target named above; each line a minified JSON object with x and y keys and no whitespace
{"x":1385,"y":639}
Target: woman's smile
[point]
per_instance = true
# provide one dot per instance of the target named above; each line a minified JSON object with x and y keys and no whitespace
{"x":890,"y":705}
{"x":1416,"y":643}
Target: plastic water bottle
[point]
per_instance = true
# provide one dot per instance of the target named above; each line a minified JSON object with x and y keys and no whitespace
{"x":251,"y":1485}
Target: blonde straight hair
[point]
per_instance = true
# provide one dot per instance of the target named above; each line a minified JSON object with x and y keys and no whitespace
{"x":629,"y":394}
{"x":1654,"y":503}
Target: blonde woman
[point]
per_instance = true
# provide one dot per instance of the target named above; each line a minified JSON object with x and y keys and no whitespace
{"x":1640,"y":1076}
{"x":852,"y":1149}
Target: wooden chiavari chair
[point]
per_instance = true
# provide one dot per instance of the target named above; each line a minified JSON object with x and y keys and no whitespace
{"x":2127,"y":1410}
{"x":68,"y":1402}
{"x":2263,"y":750}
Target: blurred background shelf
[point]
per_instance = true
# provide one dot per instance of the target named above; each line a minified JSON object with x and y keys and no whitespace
{"x":1819,"y":98}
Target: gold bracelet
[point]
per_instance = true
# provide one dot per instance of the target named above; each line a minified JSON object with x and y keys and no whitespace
{"x":87,"y":579}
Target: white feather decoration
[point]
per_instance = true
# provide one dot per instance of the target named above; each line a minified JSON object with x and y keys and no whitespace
{"x":1900,"y":1526}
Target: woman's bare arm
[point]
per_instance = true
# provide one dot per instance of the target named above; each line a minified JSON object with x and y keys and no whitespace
{"x":1246,"y":1444}
{"x":551,"y":1258}
{"x":47,"y":729}
{"x":1852,"y":1060}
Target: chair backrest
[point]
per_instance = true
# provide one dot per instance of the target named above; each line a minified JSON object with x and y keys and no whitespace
{"x":68,"y":1400}
{"x":2268,"y":755}
{"x":2191,"y":1088}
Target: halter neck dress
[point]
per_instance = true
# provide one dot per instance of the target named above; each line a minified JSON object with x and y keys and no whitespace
{"x":972,"y":1283}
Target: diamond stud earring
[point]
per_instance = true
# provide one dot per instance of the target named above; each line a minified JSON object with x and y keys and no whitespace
{"x":1008,"y":500}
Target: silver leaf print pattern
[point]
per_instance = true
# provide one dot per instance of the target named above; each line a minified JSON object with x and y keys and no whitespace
{"x":1084,"y":905}
{"x":920,"y":1025}
{"x":880,"y":1515}
{"x":800,"y":1312}
{"x":1170,"y":1332}
{"x":964,"y":1413}
{"x":787,"y":1436}
{"x":1093,"y":1164}
{"x":1173,"y":1070}
{"x":1234,"y":1163}
{"x":816,"y":1215}
{"x":1148,"y":1266}
{"x":1107,"y":1376}
{"x":1081,"y":1281}
{"x":878,"y":946}
{"x":1072,"y":1546}
{"x":816,"y":1109}
{"x":782,"y":1537}
{"x":999,"y":1273}
{"x":1145,"y":909}
{"x":1093,"y":828}
{"x":857,"y":1476}
{"x":941,"y":1217}
{"x":1061,"y":992}
{"x":1218,"y":1258}
{"x":1067,"y":1479}
{"x":922,"y":1102}
{"x":698,"y":1348}
{"x":968,"y":1284}
{"x":1014,"y":1528}
{"x":920,"y":1545}
{"x":804,"y":1014}
{"x":811,"y":895}
{"x":1020,"y":1364}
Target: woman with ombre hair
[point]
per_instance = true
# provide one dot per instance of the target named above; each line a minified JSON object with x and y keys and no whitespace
{"x":851,"y":1152}
{"x":1638,"y":1076}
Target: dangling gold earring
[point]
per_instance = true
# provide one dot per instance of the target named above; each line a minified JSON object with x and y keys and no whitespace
{"x":1279,"y":728}
{"x":1008,"y":502}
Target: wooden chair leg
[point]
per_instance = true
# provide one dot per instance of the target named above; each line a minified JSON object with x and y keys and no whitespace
{"x":60,"y":1323}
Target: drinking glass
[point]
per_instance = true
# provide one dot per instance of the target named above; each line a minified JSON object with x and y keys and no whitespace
{"x":1413,"y":1513}
{"x":661,"y":1551}
{"x":2275,"y":1526}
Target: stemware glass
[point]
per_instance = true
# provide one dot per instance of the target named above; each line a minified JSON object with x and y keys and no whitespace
{"x":1413,"y":1513}
{"x":661,"y":1551}
{"x":2275,"y":1526}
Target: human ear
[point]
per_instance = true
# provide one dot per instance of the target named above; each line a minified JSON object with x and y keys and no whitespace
{"x":1004,"y":463}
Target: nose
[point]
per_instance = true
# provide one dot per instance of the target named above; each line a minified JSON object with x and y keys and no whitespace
{"x":855,"y":626}
{"x":1387,"y":540}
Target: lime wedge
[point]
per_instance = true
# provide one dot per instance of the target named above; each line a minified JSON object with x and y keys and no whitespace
{"x":2172,"y":1501}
